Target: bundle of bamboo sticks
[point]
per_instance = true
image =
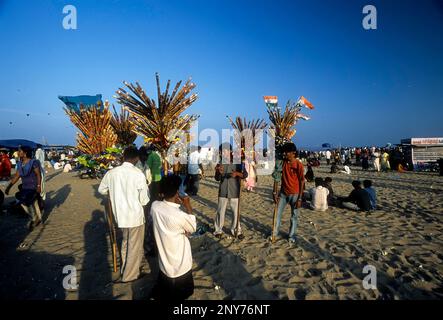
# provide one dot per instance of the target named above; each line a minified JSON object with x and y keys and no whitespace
{"x":282,"y":124}
{"x":247,"y":130}
{"x":94,"y":122}
{"x":123,"y":127}
{"x":159,"y":122}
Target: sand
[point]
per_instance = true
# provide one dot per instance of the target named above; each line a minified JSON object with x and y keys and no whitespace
{"x":403,"y":241}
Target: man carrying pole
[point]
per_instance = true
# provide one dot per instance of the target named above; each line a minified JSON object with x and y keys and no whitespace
{"x":292,"y":185}
{"x":229,"y":175}
{"x":128,"y":192}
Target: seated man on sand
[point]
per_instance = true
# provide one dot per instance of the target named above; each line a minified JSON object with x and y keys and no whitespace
{"x":67,"y":168}
{"x":346,"y":170}
{"x":327,"y":183}
{"x":319,"y":196}
{"x":372,"y":194}
{"x":358,"y":199}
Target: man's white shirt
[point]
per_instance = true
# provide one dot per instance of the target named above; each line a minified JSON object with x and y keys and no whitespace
{"x":170,"y":227}
{"x":319,"y":198}
{"x":128,"y":191}
{"x":195,"y":159}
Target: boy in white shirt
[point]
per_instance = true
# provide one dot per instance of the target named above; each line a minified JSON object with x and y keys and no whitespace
{"x":171,"y":229}
{"x":319,"y":196}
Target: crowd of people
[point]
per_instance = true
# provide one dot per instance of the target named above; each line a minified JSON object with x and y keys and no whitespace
{"x":380,"y":159}
{"x":152,"y":206}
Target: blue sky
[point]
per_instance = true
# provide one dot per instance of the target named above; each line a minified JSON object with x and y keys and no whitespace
{"x":368,"y":87}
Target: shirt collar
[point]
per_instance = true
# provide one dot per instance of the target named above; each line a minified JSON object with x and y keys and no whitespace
{"x":172,"y":204}
{"x":127,"y":164}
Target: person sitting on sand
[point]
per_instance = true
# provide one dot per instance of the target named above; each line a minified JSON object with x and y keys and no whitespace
{"x":334,"y":168}
{"x":319,"y":196}
{"x":367,"y":184}
{"x":292,"y":185}
{"x":328,"y":185}
{"x":229,"y":175}
{"x":358,"y":199}
{"x":346,"y":170}
{"x":128,"y":193}
{"x":171,"y":228}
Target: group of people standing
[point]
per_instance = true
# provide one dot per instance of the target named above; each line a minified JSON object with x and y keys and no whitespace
{"x":147,"y":203}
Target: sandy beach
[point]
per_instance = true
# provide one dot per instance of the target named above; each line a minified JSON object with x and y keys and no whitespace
{"x":403,"y":240}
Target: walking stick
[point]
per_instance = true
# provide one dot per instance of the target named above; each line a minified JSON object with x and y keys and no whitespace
{"x":112,"y":235}
{"x":274,"y":219}
{"x":238,"y":212}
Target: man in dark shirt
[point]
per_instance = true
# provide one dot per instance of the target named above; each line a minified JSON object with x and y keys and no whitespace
{"x":358,"y":199}
{"x":229,"y":175}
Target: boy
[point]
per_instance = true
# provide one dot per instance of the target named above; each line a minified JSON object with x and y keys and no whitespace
{"x":367,"y":184}
{"x":358,"y":199}
{"x":171,"y":228}
{"x":292,"y":185}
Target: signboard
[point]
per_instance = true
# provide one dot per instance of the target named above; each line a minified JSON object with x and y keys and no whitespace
{"x":427,"y":141}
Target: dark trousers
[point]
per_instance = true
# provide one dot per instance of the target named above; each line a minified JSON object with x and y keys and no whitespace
{"x":154,"y":189}
{"x":193,"y":184}
{"x":174,"y":289}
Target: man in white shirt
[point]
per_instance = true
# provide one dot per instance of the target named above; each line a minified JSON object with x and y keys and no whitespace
{"x":171,"y":228}
{"x":328,"y":157}
{"x":195,"y":168}
{"x":128,"y":191}
{"x":319,"y":196}
{"x":346,"y":170}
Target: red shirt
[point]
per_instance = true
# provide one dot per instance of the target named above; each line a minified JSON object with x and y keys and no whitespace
{"x":293,"y":173}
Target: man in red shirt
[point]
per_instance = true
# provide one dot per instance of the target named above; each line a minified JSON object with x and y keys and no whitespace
{"x":292,"y":185}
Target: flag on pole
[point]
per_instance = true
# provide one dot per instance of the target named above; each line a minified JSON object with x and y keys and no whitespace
{"x":302,"y":116}
{"x":271,"y":100}
{"x":304,"y":102}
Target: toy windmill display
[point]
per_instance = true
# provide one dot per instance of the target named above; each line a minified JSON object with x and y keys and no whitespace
{"x":159,"y":122}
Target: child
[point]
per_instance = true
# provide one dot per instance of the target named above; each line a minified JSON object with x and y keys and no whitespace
{"x":367,"y":184}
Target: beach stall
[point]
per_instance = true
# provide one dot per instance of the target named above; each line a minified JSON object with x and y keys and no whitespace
{"x":422,"y":153}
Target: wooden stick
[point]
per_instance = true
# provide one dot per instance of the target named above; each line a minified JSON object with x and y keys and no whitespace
{"x":238,"y":211}
{"x":274,"y":219}
{"x":112,"y":234}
